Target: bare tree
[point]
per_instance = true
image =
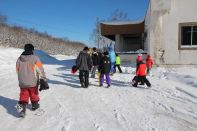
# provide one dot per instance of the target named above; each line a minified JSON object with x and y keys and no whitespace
{"x":96,"y":36}
{"x":16,"y":36}
{"x":118,"y":15}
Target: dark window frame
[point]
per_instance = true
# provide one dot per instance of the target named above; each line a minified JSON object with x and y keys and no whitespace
{"x":185,"y":47}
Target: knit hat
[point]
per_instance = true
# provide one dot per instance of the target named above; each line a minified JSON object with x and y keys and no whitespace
{"x":86,"y":48}
{"x":28,"y":47}
{"x":139,"y":57}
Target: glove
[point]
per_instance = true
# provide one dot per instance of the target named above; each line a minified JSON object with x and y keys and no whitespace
{"x":74,"y":69}
{"x":43,"y":85}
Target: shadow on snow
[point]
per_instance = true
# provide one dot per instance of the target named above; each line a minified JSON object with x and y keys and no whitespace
{"x":9,"y":104}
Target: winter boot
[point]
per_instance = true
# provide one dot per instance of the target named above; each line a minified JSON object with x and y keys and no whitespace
{"x":83,"y":85}
{"x":134,"y":85}
{"x":35,"y":105}
{"x":21,"y":108}
{"x":101,"y":85}
{"x":108,"y":86}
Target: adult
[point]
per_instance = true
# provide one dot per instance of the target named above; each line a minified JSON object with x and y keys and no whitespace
{"x":95,"y":60}
{"x":84,"y":64}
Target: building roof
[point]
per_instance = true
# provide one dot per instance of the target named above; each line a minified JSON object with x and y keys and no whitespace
{"x":110,"y":29}
{"x":122,"y":22}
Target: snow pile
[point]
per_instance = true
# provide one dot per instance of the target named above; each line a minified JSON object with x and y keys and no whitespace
{"x":170,"y":105}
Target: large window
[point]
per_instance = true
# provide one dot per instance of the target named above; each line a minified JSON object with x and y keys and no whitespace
{"x":188,"y":36}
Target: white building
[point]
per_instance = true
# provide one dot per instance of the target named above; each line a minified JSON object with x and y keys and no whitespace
{"x":169,"y":32}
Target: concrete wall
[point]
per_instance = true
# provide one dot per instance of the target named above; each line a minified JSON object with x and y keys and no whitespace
{"x":130,"y":57}
{"x":163,"y":31}
{"x":127,"y":44}
{"x":119,"y":43}
{"x":147,"y":31}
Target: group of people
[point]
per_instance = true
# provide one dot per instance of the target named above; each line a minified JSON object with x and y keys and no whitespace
{"x":106,"y":64}
{"x":31,"y":72}
{"x":86,"y":63}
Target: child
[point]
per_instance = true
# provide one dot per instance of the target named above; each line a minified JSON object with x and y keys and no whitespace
{"x":138,"y":60}
{"x":29,"y":68}
{"x":141,"y":73}
{"x":104,"y":69}
{"x":149,"y":63}
{"x":117,"y":63}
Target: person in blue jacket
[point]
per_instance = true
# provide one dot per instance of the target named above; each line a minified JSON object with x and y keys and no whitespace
{"x":112,"y":57}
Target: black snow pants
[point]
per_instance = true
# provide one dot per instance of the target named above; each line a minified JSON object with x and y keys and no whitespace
{"x":141,"y":79}
{"x":84,"y":78}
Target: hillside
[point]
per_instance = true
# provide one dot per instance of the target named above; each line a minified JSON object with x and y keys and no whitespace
{"x":13,"y":36}
{"x":169,"y":105}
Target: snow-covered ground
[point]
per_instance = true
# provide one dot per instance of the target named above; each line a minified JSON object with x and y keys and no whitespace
{"x":170,"y":105}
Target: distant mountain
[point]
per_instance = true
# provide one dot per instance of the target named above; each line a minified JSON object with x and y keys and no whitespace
{"x":14,"y":36}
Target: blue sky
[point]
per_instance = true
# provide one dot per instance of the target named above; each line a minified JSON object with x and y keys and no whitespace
{"x":73,"y":19}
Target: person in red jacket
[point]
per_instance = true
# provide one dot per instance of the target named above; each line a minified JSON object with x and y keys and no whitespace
{"x":141,"y":74}
{"x":149,"y":64}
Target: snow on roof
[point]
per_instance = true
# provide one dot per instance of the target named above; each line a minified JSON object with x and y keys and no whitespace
{"x":122,"y":22}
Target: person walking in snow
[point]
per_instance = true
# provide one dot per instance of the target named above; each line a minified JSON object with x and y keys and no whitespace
{"x":140,"y":73}
{"x":138,"y":60}
{"x":104,"y":69}
{"x":95,"y":60}
{"x":101,"y":55}
{"x":84,"y":64}
{"x":112,"y":57}
{"x":29,"y":69}
{"x":149,"y":63}
{"x":117,"y":63}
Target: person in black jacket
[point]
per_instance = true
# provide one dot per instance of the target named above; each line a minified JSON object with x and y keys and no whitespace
{"x":104,"y":69}
{"x":84,"y":64}
{"x":95,"y":60}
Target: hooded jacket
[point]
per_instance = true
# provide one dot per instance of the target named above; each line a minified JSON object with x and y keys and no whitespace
{"x":149,"y":62}
{"x":29,"y":68}
{"x":112,"y":55}
{"x":141,"y":69}
{"x":95,"y":58}
{"x":105,"y":65}
{"x":118,"y":60}
{"x":84,"y":61}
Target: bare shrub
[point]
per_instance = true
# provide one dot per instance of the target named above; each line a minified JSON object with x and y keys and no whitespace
{"x":15,"y":36}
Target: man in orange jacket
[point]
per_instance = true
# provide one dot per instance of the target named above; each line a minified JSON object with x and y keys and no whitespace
{"x":141,"y":74}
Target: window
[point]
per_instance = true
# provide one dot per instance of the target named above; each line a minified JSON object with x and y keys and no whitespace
{"x":188,"y":36}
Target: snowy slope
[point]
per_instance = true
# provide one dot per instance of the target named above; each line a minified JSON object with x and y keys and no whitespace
{"x":170,"y":105}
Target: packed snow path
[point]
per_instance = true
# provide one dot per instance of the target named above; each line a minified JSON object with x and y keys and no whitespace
{"x":170,"y":105}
